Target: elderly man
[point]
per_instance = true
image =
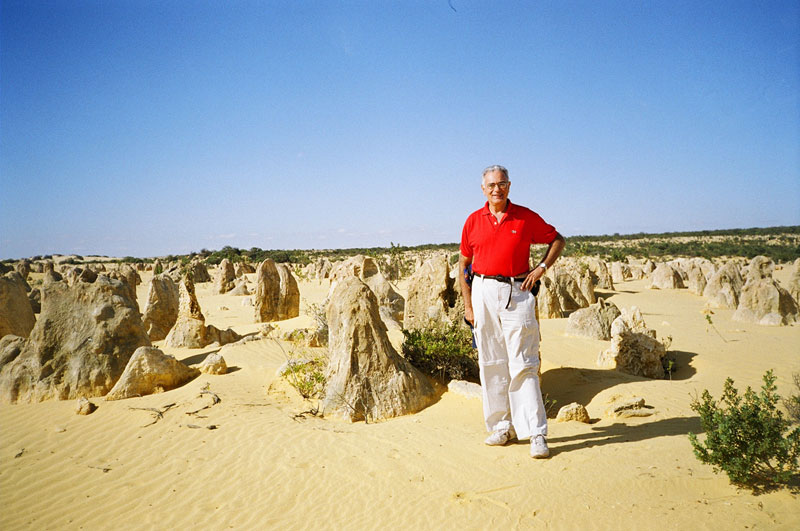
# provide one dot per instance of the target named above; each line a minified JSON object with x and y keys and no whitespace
{"x":499,"y":303}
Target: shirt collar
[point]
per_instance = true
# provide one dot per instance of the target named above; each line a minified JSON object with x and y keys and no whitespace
{"x":510,"y":207}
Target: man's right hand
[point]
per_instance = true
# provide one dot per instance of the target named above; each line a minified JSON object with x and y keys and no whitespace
{"x":469,"y":315}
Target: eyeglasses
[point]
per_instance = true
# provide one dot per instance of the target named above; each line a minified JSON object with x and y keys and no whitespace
{"x":503,"y":185}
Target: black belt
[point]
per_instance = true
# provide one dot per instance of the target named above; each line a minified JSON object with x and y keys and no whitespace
{"x":510,"y":282}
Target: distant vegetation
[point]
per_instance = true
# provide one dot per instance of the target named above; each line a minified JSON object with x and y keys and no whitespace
{"x":782,"y":244}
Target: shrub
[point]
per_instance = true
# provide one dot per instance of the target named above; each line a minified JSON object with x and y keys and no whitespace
{"x":442,"y":350}
{"x":792,"y":403}
{"x":745,"y":436}
{"x":307,"y":376}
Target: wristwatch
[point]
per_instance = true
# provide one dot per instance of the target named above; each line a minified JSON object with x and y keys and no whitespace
{"x":543,"y":266}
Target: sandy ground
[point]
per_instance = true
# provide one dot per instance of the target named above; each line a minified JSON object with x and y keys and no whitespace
{"x":267,"y":465}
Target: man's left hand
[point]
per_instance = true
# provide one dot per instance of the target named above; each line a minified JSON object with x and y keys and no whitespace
{"x":531,"y":279}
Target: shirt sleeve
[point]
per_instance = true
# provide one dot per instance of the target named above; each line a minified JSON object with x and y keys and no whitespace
{"x":466,"y":249}
{"x":543,"y":232}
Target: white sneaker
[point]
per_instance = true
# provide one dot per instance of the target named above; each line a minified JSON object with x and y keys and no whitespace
{"x":539,"y":449}
{"x":501,"y":437}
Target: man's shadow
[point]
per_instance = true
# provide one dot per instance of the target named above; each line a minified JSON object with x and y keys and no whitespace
{"x":623,"y":433}
{"x":572,"y":384}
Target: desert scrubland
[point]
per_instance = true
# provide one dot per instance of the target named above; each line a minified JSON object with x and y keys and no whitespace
{"x":236,"y":446}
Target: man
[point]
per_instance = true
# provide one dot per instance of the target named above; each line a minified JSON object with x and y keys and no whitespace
{"x":496,"y":242}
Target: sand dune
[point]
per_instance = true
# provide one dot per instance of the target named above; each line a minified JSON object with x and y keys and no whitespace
{"x":268,"y":465}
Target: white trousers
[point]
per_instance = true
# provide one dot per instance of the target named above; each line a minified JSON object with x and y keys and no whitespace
{"x":508,"y":355}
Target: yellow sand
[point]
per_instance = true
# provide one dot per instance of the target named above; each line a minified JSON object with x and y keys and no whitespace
{"x":269,"y":465}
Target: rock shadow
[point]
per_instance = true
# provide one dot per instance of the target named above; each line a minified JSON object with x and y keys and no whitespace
{"x":618,"y":433}
{"x":571,"y":384}
{"x":198,"y":358}
{"x":683,"y":364}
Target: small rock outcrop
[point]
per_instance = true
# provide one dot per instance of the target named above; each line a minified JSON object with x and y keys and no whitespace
{"x":80,"y":345}
{"x":241,"y":288}
{"x":632,"y":407}
{"x":289,"y":301}
{"x":199,"y":272}
{"x":765,"y":302}
{"x":243,"y":268}
{"x":599,"y":272}
{"x":214,"y":364}
{"x":190,"y":328}
{"x":84,"y":406}
{"x":432,"y":294}
{"x":568,"y":291}
{"x":665,"y":276}
{"x":620,"y":272}
{"x":225,"y":277}
{"x":573,"y":411}
{"x":267,"y":298}
{"x":16,"y":312}
{"x":724,"y":287}
{"x":547,"y":303}
{"x":794,"y":282}
{"x":150,"y":371}
{"x":161,"y":309}
{"x":367,"y":378}
{"x":634,"y":347}
{"x":594,"y":321}
{"x":696,"y":279}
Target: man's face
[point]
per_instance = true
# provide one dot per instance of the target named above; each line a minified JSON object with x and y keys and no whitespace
{"x":495,"y":187}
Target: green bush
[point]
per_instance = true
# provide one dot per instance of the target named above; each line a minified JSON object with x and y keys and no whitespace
{"x":307,"y":376}
{"x":442,"y":350}
{"x":792,"y":403}
{"x":745,"y":436}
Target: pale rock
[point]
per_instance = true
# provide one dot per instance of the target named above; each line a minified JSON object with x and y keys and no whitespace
{"x":432,"y":294}
{"x":573,"y":411}
{"x":620,"y":272}
{"x":391,"y":303}
{"x":150,"y":371}
{"x":243,"y":269}
{"x":366,"y":377}
{"x":214,"y":364}
{"x":665,"y":277}
{"x":161,"y":308}
{"x":794,"y":282}
{"x":80,"y":345}
{"x":696,"y":279}
{"x":594,"y":321}
{"x":634,"y":347}
{"x":84,"y":406}
{"x":267,"y":297}
{"x":199,"y":272}
{"x":547,"y":303}
{"x":760,"y":267}
{"x":765,"y":302}
{"x":16,"y":312}
{"x":568,"y":291}
{"x":225,"y":277}
{"x":586,"y":285}
{"x":465,"y":388}
{"x":724,"y":287}
{"x":289,"y":302}
{"x":241,"y":288}
{"x":634,"y":407}
{"x":190,"y":330}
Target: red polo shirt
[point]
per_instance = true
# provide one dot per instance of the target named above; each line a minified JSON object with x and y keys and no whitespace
{"x":503,"y":248}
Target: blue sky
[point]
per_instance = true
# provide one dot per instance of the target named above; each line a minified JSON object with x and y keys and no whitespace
{"x":145,"y":128}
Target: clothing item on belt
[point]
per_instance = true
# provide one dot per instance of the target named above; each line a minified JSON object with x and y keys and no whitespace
{"x":510,"y":282}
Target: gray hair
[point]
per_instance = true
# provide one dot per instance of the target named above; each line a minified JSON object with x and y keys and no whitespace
{"x":495,"y":167}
